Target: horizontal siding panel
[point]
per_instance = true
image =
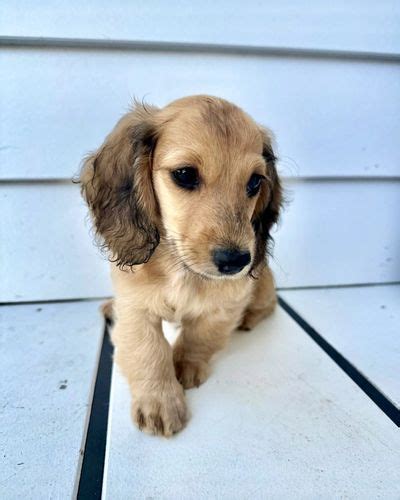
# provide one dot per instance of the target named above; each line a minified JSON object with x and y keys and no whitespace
{"x":331,"y":117}
{"x":331,"y":233}
{"x":343,"y":25}
{"x":47,"y":253}
{"x":336,"y":233}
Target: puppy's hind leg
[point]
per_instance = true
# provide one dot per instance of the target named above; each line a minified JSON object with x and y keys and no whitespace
{"x":107,"y":309}
{"x":263,"y":302}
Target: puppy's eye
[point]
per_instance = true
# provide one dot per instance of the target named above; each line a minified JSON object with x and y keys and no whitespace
{"x":254,"y":184}
{"x":186,"y":177}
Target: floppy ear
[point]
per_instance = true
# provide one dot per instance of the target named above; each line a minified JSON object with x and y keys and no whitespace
{"x":269,"y":203}
{"x":116,"y":183}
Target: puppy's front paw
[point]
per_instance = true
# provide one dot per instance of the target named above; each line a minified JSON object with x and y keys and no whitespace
{"x":162,"y":412}
{"x":191,"y":373}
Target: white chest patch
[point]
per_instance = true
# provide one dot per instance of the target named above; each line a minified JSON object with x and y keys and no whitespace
{"x":183,"y":298}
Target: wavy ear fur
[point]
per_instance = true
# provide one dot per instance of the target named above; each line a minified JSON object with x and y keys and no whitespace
{"x":116,"y":183}
{"x":269,"y":204}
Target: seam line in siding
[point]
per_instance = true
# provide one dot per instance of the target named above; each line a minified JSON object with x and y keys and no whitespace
{"x":211,"y":48}
{"x":285,"y":178}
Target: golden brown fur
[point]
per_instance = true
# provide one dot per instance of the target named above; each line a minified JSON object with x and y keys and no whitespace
{"x":161,"y":239}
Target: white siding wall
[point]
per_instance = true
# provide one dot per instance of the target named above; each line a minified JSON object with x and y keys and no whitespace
{"x":325,"y":79}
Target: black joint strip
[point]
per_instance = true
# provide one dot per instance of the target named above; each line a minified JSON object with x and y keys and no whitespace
{"x":91,"y":478}
{"x":370,"y":390}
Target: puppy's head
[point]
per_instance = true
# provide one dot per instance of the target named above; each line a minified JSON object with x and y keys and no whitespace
{"x":198,"y":172}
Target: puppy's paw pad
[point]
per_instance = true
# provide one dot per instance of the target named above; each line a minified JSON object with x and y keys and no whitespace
{"x":191,"y":373}
{"x":162,"y":414}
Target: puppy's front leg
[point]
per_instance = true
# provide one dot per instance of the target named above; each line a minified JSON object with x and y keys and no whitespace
{"x":145,"y":358}
{"x":200,"y":338}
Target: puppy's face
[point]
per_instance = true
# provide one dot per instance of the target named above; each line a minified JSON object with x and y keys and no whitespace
{"x":200,"y":173}
{"x":209,"y":175}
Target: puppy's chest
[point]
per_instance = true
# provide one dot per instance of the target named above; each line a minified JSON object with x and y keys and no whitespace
{"x":181,"y":297}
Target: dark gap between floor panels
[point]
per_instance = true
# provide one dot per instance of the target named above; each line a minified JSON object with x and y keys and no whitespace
{"x":370,"y":390}
{"x":92,"y":471}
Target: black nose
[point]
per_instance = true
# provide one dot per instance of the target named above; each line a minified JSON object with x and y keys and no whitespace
{"x":230,"y":260}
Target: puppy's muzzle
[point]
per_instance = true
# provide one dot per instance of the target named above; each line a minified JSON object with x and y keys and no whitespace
{"x":230,"y":260}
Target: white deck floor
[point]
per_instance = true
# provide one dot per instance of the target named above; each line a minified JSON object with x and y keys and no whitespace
{"x":277,"y":417}
{"x":47,"y":367}
{"x":363,"y":324}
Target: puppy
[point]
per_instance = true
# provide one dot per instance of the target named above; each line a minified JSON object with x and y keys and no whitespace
{"x":183,"y":199}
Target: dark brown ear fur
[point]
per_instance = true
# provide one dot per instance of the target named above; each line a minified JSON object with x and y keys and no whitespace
{"x":268,"y":206}
{"x":117,"y":185}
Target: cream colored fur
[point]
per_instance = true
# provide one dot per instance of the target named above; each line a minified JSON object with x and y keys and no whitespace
{"x":161,"y":238}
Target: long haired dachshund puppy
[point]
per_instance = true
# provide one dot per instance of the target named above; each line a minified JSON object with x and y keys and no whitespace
{"x":183,"y":199}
